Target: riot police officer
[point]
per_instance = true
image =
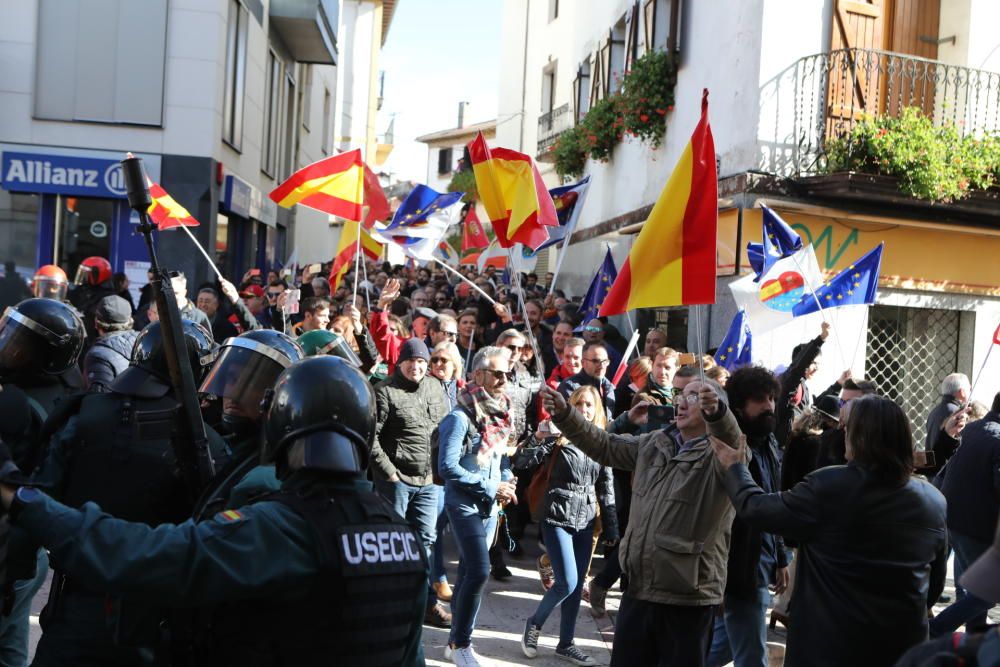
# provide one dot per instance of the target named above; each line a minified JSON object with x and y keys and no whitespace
{"x":40,"y":341}
{"x":115,"y":449}
{"x":321,"y":571}
{"x":324,"y":341}
{"x":50,"y":282}
{"x":247,"y":367}
{"x":93,"y":283}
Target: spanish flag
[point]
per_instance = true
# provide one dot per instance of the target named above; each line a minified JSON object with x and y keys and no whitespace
{"x":166,"y":212}
{"x":513,"y":193}
{"x":347,"y":251}
{"x":335,"y":185}
{"x":672,"y":262}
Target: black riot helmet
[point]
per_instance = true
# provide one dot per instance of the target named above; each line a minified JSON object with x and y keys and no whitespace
{"x":326,"y":405}
{"x":248,"y":365}
{"x":39,"y":335}
{"x":148,"y":374}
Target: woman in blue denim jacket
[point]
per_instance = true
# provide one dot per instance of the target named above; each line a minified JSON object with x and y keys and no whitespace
{"x":473,"y":440}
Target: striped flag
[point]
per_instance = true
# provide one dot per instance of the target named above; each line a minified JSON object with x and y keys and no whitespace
{"x":335,"y":185}
{"x":513,"y":193}
{"x":166,"y":212}
{"x":347,"y":250}
{"x":672,"y":262}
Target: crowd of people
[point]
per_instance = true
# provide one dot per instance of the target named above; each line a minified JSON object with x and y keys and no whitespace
{"x":715,"y":497}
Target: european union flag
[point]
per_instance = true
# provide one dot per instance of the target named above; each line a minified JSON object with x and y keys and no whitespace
{"x":735,"y":348}
{"x":779,"y":240}
{"x":422,"y":211}
{"x":857,"y":284}
{"x":599,"y":288}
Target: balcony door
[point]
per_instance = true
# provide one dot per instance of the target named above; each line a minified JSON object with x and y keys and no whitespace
{"x":863,"y":77}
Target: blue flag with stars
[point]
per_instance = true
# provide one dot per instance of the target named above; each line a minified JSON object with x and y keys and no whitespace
{"x":599,"y":288}
{"x":855,"y":285}
{"x":421,"y":213}
{"x":779,"y":241}
{"x":735,"y":348}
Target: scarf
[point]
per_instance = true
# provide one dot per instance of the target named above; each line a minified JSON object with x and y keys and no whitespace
{"x":491,"y":417}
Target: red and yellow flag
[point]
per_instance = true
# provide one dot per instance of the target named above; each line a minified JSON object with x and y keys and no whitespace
{"x":473,"y":236}
{"x":347,"y":251}
{"x":334,"y":185}
{"x":513,"y":193}
{"x":166,"y":212}
{"x":672,"y":262}
{"x":375,"y":200}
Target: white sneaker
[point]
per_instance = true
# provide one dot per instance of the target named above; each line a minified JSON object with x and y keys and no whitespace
{"x":447,"y":651}
{"x":465,"y":657}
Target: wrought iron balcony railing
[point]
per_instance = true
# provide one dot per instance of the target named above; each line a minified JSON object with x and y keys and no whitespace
{"x":824,"y":95}
{"x":551,"y":125}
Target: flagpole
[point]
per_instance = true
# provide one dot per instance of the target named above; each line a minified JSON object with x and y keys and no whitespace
{"x":699,"y":349}
{"x":464,"y":279}
{"x":981,"y":369}
{"x":516,"y":279}
{"x":203,"y":251}
{"x":559,"y":261}
{"x":357,"y":254}
{"x":368,"y":299}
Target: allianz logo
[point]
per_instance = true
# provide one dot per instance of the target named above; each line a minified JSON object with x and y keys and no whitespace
{"x":43,"y":172}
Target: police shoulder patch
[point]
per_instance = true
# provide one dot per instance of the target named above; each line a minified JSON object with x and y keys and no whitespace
{"x":384,"y":548}
{"x":230,"y":516}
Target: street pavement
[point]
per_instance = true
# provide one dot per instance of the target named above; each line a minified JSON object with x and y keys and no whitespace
{"x":506,"y":605}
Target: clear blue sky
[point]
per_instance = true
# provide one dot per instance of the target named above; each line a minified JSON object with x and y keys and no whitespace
{"x":438,"y":53}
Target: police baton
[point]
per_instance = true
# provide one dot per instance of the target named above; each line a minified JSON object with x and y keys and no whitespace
{"x":191,"y":447}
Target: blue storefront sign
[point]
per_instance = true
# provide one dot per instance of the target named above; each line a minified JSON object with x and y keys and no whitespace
{"x":62,"y":174}
{"x":246,"y":201}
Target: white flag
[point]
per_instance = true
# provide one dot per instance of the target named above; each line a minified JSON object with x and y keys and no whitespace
{"x":769,"y":301}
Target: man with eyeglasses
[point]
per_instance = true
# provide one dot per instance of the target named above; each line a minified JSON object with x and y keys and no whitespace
{"x":442,"y":328}
{"x":593,"y":373}
{"x":594,"y":332}
{"x":675,"y":547}
{"x":273,"y":292}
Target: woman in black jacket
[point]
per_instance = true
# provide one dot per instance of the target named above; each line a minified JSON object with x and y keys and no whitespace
{"x":869,"y":534}
{"x":577,"y":484}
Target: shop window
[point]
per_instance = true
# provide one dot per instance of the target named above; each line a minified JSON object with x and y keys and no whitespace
{"x":100,"y":61}
{"x":19,"y":230}
{"x":236,"y":72}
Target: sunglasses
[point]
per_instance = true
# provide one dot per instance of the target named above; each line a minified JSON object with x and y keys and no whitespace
{"x":451,"y":334}
{"x":506,"y":375}
{"x":593,"y":329}
{"x":514,"y":348}
{"x":599,"y":362}
{"x":273,"y":295}
{"x":440,"y":360}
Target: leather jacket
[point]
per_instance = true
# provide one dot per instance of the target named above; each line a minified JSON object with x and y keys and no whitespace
{"x":866,"y":553}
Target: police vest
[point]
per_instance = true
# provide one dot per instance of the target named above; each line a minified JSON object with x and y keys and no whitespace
{"x":215,"y":497}
{"x":362,"y":608}
{"x":122,"y":459}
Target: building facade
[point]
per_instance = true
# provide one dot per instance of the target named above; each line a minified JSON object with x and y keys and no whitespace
{"x":222,"y":98}
{"x":785,"y":78}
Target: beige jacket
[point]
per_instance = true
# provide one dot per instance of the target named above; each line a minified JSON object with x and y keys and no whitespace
{"x":677,"y":542}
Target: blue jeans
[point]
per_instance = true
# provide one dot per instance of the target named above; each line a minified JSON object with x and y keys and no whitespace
{"x":419,"y":506}
{"x":967,"y":609}
{"x":438,"y":572}
{"x":569,"y":551}
{"x":741,"y":635}
{"x":473,"y":534}
{"x":14,"y":628}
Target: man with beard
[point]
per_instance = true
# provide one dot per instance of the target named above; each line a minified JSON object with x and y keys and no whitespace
{"x":757,"y":560}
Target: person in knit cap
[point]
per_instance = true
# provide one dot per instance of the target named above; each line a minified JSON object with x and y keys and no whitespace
{"x":409,"y":404}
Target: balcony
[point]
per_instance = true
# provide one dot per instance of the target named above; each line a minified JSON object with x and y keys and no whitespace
{"x":550,"y":126}
{"x":822,"y":96}
{"x":308,"y":28}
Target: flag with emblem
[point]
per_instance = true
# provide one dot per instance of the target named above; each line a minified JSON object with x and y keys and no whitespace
{"x":568,"y":201}
{"x":855,"y":285}
{"x":421,"y":222}
{"x":735,"y":348}
{"x":347,"y":249}
{"x":166,"y":212}
{"x":769,"y":299}
{"x":334,"y":185}
{"x":599,"y":288}
{"x":513,"y":194}
{"x":473,"y":235}
{"x":446,"y":254}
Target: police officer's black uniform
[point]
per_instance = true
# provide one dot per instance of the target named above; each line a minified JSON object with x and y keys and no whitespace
{"x":322,"y":572}
{"x":114,"y":449}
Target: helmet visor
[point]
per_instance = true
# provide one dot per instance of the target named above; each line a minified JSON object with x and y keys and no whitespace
{"x":242,"y":375}
{"x":83,"y":274}
{"x":49,"y":288}
{"x":20,"y":347}
{"x":323,"y":450}
{"x":340,"y":348}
